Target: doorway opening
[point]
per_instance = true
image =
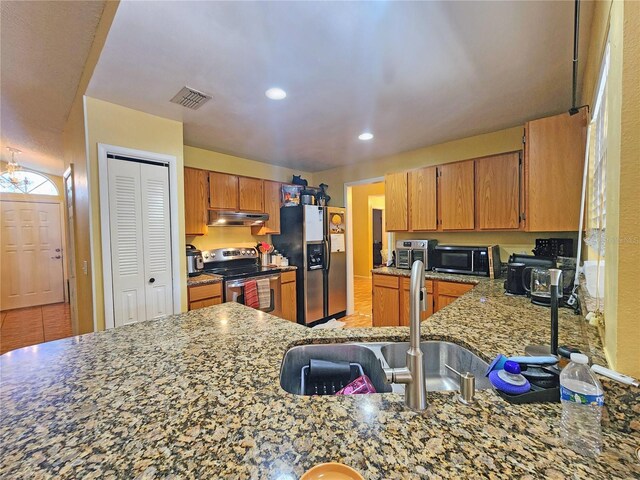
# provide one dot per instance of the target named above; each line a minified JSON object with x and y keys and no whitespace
{"x":367,"y":247}
{"x":34,"y":301}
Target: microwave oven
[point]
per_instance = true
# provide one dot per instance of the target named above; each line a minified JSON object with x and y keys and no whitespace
{"x":483,"y":261}
{"x":408,"y":251}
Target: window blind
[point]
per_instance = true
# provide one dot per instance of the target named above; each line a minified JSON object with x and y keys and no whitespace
{"x":598,"y":162}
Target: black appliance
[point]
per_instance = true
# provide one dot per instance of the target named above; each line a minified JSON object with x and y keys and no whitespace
{"x":530,"y":261}
{"x":514,"y":284}
{"x":483,"y":261}
{"x":553,"y":247}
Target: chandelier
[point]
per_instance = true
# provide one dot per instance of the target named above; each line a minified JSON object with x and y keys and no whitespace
{"x":13,"y":168}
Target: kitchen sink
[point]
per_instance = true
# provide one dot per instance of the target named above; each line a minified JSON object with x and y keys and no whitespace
{"x":374,"y":357}
{"x":298,"y":357}
{"x":435,"y":355}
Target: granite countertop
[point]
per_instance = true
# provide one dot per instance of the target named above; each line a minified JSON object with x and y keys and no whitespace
{"x":203,"y":279}
{"x":430,"y":275}
{"x":197,"y":395}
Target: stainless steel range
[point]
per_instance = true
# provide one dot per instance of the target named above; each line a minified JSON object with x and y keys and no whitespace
{"x":239,"y":265}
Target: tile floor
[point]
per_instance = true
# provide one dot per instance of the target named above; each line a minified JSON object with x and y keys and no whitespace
{"x":28,"y":326}
{"x":362,"y":315}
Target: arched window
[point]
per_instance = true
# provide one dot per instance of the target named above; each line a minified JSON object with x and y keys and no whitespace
{"x":24,"y":181}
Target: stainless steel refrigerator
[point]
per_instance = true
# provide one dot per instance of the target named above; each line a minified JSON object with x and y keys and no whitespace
{"x":314,"y":240}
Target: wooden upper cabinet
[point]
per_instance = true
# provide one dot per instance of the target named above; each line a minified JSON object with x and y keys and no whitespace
{"x":272,"y":200}
{"x":423,"y":213}
{"x":195,"y":201}
{"x":223,"y":191}
{"x":554,"y":159}
{"x":456,"y":191}
{"x":250,"y":197}
{"x":395,"y":201}
{"x":498,"y":192}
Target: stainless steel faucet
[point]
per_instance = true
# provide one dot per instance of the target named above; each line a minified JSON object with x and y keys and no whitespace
{"x":412,"y":375}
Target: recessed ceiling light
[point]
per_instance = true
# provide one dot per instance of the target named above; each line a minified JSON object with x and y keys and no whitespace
{"x":275,"y":93}
{"x":365,"y":136}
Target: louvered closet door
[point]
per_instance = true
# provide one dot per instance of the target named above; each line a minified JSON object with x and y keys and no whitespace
{"x":156,"y":233}
{"x":125,"y":219}
{"x":140,"y":241}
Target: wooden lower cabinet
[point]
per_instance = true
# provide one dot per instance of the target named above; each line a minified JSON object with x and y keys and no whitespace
{"x":447,"y":292}
{"x":386,"y":300}
{"x":391,"y":298}
{"x":201,"y":296}
{"x":404,"y":300}
{"x":288,"y":296}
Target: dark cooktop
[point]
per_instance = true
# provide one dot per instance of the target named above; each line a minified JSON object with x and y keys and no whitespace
{"x":244,"y":271}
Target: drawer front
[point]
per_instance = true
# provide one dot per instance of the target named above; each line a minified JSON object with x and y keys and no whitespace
{"x":208,"y":302}
{"x":406,"y":284}
{"x":200,"y":292}
{"x":388,"y":281}
{"x":429,"y":285}
{"x":453,"y":289}
{"x":287,"y":277}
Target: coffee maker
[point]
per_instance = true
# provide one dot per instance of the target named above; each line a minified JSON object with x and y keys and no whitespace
{"x":519,"y":272}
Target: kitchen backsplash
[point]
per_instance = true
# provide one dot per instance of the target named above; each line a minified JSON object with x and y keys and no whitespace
{"x":510,"y":242}
{"x":219,"y":237}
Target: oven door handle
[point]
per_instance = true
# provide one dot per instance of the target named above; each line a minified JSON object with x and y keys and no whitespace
{"x":241,"y":283}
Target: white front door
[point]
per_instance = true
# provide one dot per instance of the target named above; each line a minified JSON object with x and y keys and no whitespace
{"x":31,"y":254}
{"x":139,"y":222}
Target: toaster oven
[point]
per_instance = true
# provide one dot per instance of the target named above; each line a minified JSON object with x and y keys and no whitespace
{"x":408,"y":251}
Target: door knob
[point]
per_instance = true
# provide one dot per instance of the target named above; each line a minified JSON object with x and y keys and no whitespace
{"x":57,"y":257}
{"x":151,"y":280}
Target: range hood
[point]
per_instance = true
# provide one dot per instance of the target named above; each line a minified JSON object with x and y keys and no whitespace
{"x":236,"y":219}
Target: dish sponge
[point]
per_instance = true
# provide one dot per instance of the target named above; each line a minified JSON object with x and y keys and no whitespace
{"x":509,"y":380}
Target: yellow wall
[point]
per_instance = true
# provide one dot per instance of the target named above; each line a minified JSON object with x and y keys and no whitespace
{"x":221,"y":162}
{"x":471,"y":147}
{"x":75,"y":152}
{"x":509,"y":242}
{"x":120,"y":126}
{"x":217,"y":237}
{"x":621,"y":21}
{"x":362,"y":238}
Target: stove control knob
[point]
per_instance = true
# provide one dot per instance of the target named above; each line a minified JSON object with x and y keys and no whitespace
{"x":205,"y":255}
{"x":244,"y":252}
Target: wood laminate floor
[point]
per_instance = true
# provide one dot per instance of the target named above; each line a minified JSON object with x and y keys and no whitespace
{"x":32,"y":325}
{"x":362,"y":315}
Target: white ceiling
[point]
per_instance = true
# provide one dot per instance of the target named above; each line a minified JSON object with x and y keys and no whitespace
{"x":413,"y":73}
{"x":44,"y":49}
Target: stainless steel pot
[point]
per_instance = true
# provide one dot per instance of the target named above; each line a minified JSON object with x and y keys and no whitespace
{"x":195,"y":263}
{"x":307,"y":199}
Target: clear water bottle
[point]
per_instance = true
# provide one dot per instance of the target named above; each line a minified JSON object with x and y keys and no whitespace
{"x":582,"y":400}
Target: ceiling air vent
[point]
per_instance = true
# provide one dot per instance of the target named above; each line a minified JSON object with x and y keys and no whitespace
{"x":190,"y":98}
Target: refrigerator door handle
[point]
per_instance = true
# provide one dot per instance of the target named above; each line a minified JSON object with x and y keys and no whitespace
{"x":327,"y":253}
